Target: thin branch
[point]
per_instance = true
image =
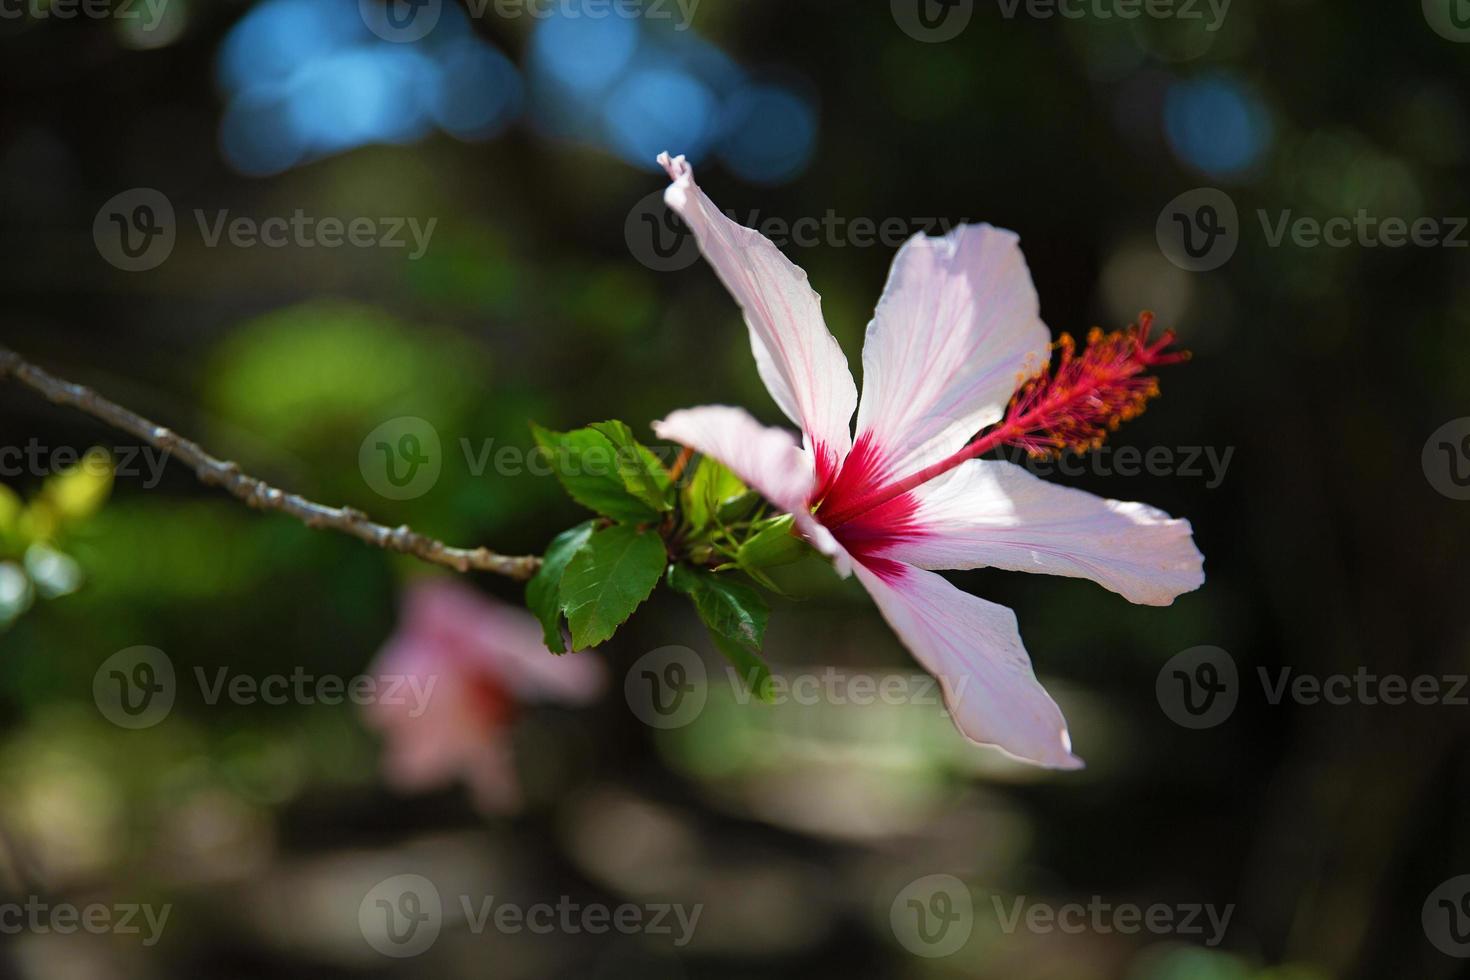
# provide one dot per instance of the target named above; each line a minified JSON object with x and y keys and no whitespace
{"x":256,"y":493}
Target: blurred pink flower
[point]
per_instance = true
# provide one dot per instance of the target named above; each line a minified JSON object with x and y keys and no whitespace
{"x":953,"y":342}
{"x":467,"y":663}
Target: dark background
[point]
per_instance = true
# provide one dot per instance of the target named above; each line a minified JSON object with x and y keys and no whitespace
{"x":1323,"y":370}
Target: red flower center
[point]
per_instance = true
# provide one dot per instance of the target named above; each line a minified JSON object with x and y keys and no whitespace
{"x":1072,"y":404}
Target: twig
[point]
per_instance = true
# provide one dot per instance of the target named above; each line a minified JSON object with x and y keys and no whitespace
{"x":256,"y":493}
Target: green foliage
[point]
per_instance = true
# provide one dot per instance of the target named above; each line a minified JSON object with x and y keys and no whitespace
{"x":642,"y":474}
{"x":711,"y":487}
{"x":589,"y":466}
{"x":543,"y":593}
{"x":31,"y":564}
{"x":736,"y":617}
{"x":699,"y":531}
{"x":606,"y":579}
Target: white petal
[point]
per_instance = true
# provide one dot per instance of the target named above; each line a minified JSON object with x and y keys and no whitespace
{"x":767,"y":459}
{"x":994,"y":513}
{"x":798,"y":358}
{"x":973,"y":647}
{"x":957,"y":326}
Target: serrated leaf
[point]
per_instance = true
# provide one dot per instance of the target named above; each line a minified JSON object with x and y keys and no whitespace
{"x":774,"y":544}
{"x":585,"y":462}
{"x":736,"y":617}
{"x":608,"y":578}
{"x":639,"y":469}
{"x":710,"y":487}
{"x":730,"y":608}
{"x":543,"y":593}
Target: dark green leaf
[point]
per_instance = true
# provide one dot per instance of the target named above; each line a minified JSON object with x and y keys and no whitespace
{"x":754,"y":673}
{"x":607,"y":579}
{"x":729,"y":607}
{"x":543,"y":593}
{"x":736,"y":616}
{"x":586,"y":463}
{"x":639,"y":469}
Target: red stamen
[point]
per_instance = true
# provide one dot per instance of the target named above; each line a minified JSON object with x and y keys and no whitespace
{"x":1070,"y":406}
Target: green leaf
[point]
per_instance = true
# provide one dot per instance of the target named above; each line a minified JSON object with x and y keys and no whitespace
{"x":585,"y":462}
{"x":730,"y":608}
{"x":736,"y":616}
{"x":543,"y":593}
{"x":642,"y":474}
{"x":774,"y":544}
{"x":754,"y":673}
{"x":607,"y":579}
{"x":711,"y":487}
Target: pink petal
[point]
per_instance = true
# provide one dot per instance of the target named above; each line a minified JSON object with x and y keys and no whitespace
{"x":974,"y":649}
{"x":799,"y":360}
{"x":994,"y":513}
{"x":480,"y":634}
{"x":767,"y":459}
{"x":957,"y":325}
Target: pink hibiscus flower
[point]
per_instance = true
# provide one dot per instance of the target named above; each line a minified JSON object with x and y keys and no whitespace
{"x":467,"y":663}
{"x":956,"y":333}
